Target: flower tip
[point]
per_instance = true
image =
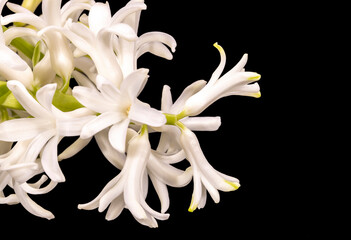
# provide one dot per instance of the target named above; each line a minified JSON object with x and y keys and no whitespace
{"x":235,"y":185}
{"x":257,"y":95}
{"x":219,"y":48}
{"x":192,"y":206}
{"x":255,"y":77}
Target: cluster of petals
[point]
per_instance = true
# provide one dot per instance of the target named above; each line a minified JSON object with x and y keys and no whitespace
{"x":81,"y":41}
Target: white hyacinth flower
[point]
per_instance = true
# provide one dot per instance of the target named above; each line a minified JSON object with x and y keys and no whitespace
{"x":118,"y":107}
{"x":40,"y":105}
{"x":128,"y":188}
{"x":234,"y":82}
{"x":48,"y":125}
{"x":61,"y":56}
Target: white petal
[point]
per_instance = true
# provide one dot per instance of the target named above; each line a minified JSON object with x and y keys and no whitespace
{"x":135,"y":82}
{"x":33,"y":190}
{"x":12,"y":66}
{"x":122,"y":30}
{"x":169,"y":174}
{"x":101,"y":122}
{"x":113,"y":193}
{"x":202,"y":123}
{"x":95,"y":202}
{"x":30,"y":205}
{"x":157,"y":37}
{"x":27,"y":101}
{"x":51,"y":11}
{"x":23,"y":128}
{"x":186,"y":94}
{"x":169,"y":158}
{"x":74,"y":148}
{"x":45,"y":95}
{"x":27,"y":18}
{"x":155,"y":48}
{"x":115,"y":209}
{"x":130,"y":8}
{"x":117,"y":135}
{"x":217,"y":73}
{"x":211,"y":189}
{"x":72,"y":127}
{"x":16,"y":32}
{"x":92,"y":99}
{"x":138,"y":153}
{"x":37,"y":144}
{"x":10,"y":199}
{"x":108,"y":89}
{"x":82,"y":79}
{"x":99,"y":17}
{"x":162,"y":192}
{"x":50,"y":162}
{"x":145,"y":114}
{"x":116,"y":158}
{"x":166,"y":99}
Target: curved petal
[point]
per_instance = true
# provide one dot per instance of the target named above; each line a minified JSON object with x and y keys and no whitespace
{"x":217,"y":73}
{"x":121,"y":29}
{"x":155,"y":48}
{"x":130,"y":8}
{"x":52,"y":11}
{"x":157,"y":37}
{"x":36,"y":145}
{"x":72,"y":127}
{"x":23,"y":128}
{"x":107,"y":89}
{"x":116,"y":158}
{"x":92,"y":99}
{"x":101,"y":122}
{"x":202,"y":123}
{"x":33,"y":190}
{"x":166,"y":99}
{"x":186,"y":94}
{"x":49,"y":161}
{"x":45,"y":95}
{"x":74,"y":148}
{"x":134,"y":82}
{"x":12,"y":66}
{"x":95,"y":202}
{"x":27,"y":18}
{"x":16,"y":32}
{"x":142,"y":113}
{"x":117,"y":135}
{"x":26,"y":100}
{"x":115,"y":209}
{"x":30,"y":205}
{"x":162,"y":192}
{"x":99,"y":17}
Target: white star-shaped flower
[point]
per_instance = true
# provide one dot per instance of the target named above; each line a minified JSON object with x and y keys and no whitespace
{"x":118,"y":107}
{"x":48,"y":125}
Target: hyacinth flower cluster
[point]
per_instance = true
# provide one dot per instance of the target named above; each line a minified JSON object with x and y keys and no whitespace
{"x":81,"y":42}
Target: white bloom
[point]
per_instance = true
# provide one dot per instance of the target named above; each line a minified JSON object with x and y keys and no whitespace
{"x":234,"y":82}
{"x":128,"y":189}
{"x":52,"y":15}
{"x":204,"y":175}
{"x":19,"y":165}
{"x":99,"y":43}
{"x":12,"y":66}
{"x":118,"y":107}
{"x":48,"y":125}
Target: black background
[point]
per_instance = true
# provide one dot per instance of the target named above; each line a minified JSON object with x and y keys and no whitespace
{"x":264,"y":142}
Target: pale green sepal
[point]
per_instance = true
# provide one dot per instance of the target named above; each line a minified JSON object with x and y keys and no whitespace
{"x":10,"y":101}
{"x":65,"y":102}
{"x":37,"y":56}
